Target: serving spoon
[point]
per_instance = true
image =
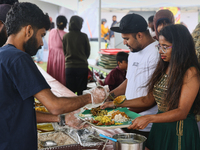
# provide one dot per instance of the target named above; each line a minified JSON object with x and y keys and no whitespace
{"x":48,"y":143}
{"x":119,"y":99}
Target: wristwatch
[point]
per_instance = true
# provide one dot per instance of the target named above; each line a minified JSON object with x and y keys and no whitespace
{"x":62,"y":120}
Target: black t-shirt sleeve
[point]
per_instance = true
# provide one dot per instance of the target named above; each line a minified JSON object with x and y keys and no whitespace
{"x":26,"y":77}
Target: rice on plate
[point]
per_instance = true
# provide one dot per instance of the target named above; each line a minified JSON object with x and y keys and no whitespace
{"x":118,"y":116}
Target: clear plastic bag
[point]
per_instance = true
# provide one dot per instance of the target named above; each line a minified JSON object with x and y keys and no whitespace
{"x":99,"y":95}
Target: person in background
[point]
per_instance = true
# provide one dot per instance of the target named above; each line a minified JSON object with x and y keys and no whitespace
{"x":111,"y":33}
{"x":23,"y":80}
{"x":142,"y":61}
{"x":4,"y":8}
{"x":183,"y":23}
{"x":76,"y":48}
{"x":40,"y":116}
{"x":52,"y":23}
{"x":56,"y":59}
{"x":114,"y":19}
{"x":151,"y":26}
{"x":196,"y":38}
{"x":161,"y":19}
{"x":104,"y":31}
{"x":174,"y":86}
{"x":118,"y":74}
{"x":10,"y":2}
{"x":39,"y":54}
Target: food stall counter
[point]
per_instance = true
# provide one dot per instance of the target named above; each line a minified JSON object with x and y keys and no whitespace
{"x":60,"y":90}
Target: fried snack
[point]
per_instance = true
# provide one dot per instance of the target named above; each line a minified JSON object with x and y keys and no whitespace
{"x":100,"y":124}
{"x":43,"y":109}
{"x":38,"y":104}
{"x":45,"y":127}
{"x":110,"y":123}
{"x":98,"y":112}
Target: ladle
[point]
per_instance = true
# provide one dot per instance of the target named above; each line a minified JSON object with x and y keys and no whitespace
{"x":111,"y":96}
{"x":48,"y":143}
{"x":119,"y":99}
{"x":112,"y":139}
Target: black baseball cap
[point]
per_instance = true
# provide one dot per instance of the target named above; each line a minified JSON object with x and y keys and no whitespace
{"x":131,"y":23}
{"x":4,"y":8}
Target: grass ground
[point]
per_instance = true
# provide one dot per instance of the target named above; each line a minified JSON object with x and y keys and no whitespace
{"x":43,"y":66}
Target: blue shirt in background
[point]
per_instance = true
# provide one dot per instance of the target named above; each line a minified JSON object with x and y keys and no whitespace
{"x":111,"y":32}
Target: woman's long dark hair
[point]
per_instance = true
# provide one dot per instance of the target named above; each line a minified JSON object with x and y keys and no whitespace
{"x":183,"y":57}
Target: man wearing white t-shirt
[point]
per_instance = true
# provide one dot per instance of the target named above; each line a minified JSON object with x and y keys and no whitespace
{"x":142,"y":61}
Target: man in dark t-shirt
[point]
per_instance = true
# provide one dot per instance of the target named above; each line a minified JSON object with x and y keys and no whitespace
{"x":21,"y":81}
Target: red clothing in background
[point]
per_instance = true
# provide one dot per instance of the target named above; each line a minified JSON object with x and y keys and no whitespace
{"x":115,"y":78}
{"x":56,"y":59}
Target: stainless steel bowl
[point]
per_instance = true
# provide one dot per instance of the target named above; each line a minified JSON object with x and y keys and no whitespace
{"x":129,"y":141}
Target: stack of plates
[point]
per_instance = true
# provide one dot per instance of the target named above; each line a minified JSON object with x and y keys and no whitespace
{"x":108,"y":57}
{"x":108,"y":61}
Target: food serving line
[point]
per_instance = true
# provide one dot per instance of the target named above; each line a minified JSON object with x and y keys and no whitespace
{"x":60,"y":90}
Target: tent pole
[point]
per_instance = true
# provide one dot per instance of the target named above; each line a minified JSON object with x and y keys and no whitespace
{"x":99,"y":25}
{"x":77,"y":7}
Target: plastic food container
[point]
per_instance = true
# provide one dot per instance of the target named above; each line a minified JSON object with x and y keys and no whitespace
{"x":75,"y":146}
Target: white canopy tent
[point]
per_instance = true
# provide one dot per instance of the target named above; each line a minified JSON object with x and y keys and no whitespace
{"x":91,"y":10}
{"x":85,"y":7}
{"x":127,"y":4}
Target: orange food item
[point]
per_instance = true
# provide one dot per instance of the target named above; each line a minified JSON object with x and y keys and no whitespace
{"x":118,"y":112}
{"x":43,"y":109}
{"x":95,"y":121}
{"x":110,"y":123}
{"x":100,"y":124}
{"x":119,"y":100}
{"x":38,"y":104}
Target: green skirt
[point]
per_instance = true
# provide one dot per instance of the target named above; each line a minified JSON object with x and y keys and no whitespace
{"x":179,"y":135}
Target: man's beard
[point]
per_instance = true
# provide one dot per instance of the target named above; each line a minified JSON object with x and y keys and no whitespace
{"x":31,"y":46}
{"x":133,"y":50}
{"x":3,"y":36}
